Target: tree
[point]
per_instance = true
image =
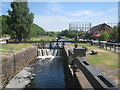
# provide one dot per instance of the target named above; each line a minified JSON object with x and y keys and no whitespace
{"x":104,"y":36}
{"x":0,"y":27}
{"x":114,"y":33}
{"x":37,"y":31}
{"x":4,"y":25}
{"x":19,"y":21}
{"x":119,"y":32}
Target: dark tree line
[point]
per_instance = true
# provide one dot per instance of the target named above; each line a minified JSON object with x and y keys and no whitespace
{"x":71,"y":33}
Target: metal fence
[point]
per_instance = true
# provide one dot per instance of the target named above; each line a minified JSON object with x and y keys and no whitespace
{"x":107,"y":45}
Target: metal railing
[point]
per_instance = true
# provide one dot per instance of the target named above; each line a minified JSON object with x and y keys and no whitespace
{"x":107,"y":45}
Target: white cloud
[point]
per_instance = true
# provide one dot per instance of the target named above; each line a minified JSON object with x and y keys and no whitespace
{"x":52,"y":22}
{"x":112,"y":9}
{"x":91,"y":13}
{"x":58,"y":8}
{"x":86,"y":13}
{"x":49,"y":19}
{"x":54,"y":6}
{"x":47,"y":12}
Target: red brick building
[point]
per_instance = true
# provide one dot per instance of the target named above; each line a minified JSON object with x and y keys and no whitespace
{"x":97,"y":30}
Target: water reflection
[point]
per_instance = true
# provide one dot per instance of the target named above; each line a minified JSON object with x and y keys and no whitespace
{"x":48,"y":74}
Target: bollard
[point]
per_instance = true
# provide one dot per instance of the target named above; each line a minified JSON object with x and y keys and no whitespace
{"x":79,"y":52}
{"x":76,"y":45}
{"x":50,"y":45}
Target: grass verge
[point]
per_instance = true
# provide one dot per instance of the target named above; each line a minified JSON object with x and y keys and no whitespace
{"x":10,"y":48}
{"x":104,"y":57}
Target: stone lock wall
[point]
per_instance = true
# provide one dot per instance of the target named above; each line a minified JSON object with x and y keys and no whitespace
{"x":12,"y":64}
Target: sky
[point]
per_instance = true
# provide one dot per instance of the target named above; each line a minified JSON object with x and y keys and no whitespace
{"x":56,"y":16}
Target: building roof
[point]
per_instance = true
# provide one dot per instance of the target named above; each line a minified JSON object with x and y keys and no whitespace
{"x":95,"y":28}
{"x":95,"y":35}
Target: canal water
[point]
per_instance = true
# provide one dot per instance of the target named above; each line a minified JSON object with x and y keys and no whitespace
{"x":48,"y":74}
{"x":48,"y":70}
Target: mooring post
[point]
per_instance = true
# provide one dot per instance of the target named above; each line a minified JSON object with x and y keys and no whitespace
{"x":63,"y":44}
{"x":91,"y":43}
{"x":76,"y":41}
{"x":100,"y":44}
{"x":50,"y":45}
{"x":106,"y":46}
{"x":110,"y":46}
{"x":115,"y":48}
{"x":57,"y":43}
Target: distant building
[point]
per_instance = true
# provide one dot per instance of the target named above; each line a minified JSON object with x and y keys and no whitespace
{"x":80,"y":26}
{"x":97,"y":30}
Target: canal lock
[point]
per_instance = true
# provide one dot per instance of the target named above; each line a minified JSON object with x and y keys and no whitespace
{"x":48,"y":70}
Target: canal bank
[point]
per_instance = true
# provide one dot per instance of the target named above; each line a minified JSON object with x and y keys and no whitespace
{"x":13,"y":63}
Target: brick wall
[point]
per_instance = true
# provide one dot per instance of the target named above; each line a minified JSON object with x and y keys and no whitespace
{"x":12,"y":64}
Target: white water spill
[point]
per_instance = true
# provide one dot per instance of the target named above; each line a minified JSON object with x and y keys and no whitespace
{"x":49,"y":53}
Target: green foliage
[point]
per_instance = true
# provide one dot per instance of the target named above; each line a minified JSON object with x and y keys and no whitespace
{"x":119,"y":34}
{"x":71,"y":33}
{"x":104,"y":36}
{"x":51,"y":33}
{"x":4,"y":24}
{"x":110,"y":34}
{"x":0,"y":26}
{"x":114,"y":33}
{"x":20,"y":21}
{"x":37,"y":31}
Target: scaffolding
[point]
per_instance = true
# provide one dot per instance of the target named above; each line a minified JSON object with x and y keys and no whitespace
{"x":80,"y":26}
{"x":112,"y":24}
